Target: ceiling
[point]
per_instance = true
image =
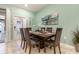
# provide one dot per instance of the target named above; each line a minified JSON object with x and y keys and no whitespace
{"x":31,"y":7}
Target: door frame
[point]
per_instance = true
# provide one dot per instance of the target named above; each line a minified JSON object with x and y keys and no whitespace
{"x":14,"y":25}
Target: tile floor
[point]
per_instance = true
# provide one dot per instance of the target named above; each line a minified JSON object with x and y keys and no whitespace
{"x":13,"y":47}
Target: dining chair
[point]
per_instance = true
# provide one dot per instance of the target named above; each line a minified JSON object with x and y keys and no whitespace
{"x":29,"y":42}
{"x":32,"y":36}
{"x":56,"y":42}
{"x":22,"y":38}
{"x":49,"y":29}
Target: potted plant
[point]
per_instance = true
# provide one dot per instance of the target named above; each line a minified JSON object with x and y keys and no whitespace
{"x":76,"y":39}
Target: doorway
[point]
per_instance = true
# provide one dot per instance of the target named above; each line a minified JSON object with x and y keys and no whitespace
{"x":18,"y":23}
{"x":2,"y":25}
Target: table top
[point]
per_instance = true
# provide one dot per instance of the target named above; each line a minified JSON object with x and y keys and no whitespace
{"x":44,"y":34}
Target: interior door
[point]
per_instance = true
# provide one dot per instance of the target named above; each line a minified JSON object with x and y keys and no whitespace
{"x":18,"y":23}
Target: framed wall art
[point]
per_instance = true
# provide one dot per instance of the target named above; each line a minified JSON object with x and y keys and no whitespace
{"x":50,"y":19}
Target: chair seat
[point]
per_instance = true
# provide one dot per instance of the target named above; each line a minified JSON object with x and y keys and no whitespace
{"x":50,"y":42}
{"x":35,"y":39}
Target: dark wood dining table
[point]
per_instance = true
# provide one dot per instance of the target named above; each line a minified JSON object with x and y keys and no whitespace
{"x":42,"y":36}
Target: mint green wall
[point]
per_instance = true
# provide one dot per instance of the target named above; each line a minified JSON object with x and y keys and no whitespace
{"x":21,"y":12}
{"x":68,"y":19}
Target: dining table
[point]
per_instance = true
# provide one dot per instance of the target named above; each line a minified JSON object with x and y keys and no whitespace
{"x":42,"y":36}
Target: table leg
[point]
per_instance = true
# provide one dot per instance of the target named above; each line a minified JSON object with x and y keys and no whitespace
{"x":44,"y":46}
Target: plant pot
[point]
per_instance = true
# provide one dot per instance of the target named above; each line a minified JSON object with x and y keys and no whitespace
{"x":77,"y":47}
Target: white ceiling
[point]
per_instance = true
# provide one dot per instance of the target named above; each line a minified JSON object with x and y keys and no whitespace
{"x":31,"y":7}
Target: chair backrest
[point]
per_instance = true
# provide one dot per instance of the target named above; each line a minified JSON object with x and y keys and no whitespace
{"x":37,"y":30}
{"x":22,"y":33}
{"x":27,"y":35}
{"x":58,"y":36}
{"x":49,"y":29}
{"x":42,"y":28}
{"x":29,"y":28}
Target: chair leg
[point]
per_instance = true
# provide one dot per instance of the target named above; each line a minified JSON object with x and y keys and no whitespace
{"x":39,"y":48}
{"x":44,"y":48}
{"x":33,"y":46}
{"x":54,"y":49}
{"x":24,"y":45}
{"x":29,"y":49}
{"x":21,"y":42}
{"x":50,"y":47}
{"x":59,"y":49}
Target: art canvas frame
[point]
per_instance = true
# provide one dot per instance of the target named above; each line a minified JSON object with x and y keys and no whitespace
{"x":50,"y":19}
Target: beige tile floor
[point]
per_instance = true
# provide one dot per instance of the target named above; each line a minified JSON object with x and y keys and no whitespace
{"x":13,"y":47}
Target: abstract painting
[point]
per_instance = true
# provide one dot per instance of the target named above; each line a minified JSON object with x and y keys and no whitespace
{"x":50,"y":19}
